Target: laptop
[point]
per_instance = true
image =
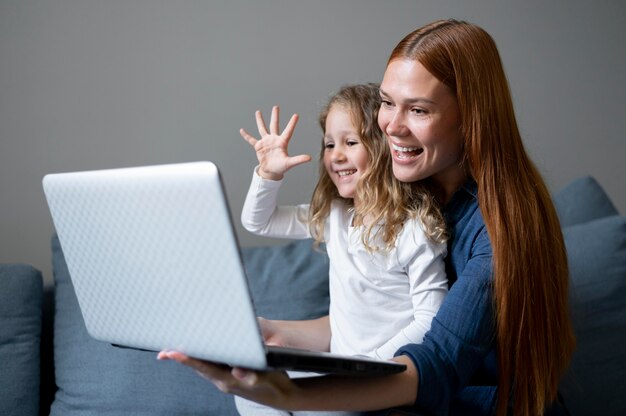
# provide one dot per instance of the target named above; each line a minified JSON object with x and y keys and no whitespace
{"x":155,"y":263}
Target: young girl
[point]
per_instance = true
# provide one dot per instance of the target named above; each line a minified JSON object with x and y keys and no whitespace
{"x":385,"y":243}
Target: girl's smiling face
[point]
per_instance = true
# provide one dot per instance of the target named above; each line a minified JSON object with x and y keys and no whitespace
{"x":421,"y":118}
{"x":345,"y":156}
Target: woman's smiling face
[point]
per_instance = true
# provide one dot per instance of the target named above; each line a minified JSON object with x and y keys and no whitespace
{"x":421,"y":118}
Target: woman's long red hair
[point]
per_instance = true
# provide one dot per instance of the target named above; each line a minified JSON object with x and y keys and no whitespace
{"x":535,"y":339}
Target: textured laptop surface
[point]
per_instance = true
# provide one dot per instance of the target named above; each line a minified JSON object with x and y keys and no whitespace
{"x":140,"y":242}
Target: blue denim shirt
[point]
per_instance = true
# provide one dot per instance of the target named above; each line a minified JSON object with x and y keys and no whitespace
{"x":456,"y":361}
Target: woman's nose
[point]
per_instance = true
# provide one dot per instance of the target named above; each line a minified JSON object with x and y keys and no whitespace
{"x":396,"y":126}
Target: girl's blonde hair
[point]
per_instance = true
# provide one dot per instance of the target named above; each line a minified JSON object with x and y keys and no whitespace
{"x":535,"y":339}
{"x":382,"y":199}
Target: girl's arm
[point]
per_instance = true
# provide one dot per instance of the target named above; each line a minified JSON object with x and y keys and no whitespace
{"x":313,"y":334}
{"x":423,"y":261}
{"x":260,"y":214}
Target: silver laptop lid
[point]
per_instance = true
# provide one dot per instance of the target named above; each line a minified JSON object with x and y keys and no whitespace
{"x":154,"y":260}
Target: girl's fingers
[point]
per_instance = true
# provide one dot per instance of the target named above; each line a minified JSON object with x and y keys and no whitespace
{"x":297,"y":160}
{"x":248,"y":137}
{"x":274,"y":126}
{"x":260,"y":124}
{"x":274,"y":120}
{"x":290,"y":126}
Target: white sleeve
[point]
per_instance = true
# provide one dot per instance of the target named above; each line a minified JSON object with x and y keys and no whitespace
{"x":261,"y":216}
{"x":428,"y":285}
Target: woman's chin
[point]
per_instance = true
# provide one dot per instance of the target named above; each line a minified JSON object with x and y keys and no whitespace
{"x":405,"y":173}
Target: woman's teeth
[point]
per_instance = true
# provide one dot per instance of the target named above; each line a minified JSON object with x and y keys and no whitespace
{"x":403,"y":152}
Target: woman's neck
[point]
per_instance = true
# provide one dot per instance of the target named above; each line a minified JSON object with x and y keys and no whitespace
{"x":449,"y":182}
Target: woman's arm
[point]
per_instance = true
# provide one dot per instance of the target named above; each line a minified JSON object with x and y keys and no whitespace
{"x":460,"y":343}
{"x":275,"y":389}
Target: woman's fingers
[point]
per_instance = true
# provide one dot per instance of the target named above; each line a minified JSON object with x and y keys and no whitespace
{"x":227,"y":379}
{"x":220,"y":375}
{"x":251,"y":378}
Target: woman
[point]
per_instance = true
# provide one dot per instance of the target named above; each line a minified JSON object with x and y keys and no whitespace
{"x":502,"y":338}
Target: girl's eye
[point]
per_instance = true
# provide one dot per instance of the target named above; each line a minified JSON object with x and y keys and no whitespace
{"x":329,"y":145}
{"x":352,"y":142}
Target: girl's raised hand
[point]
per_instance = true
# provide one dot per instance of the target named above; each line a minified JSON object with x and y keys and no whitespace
{"x":271,"y":148}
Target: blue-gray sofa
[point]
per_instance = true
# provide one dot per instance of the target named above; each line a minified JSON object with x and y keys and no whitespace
{"x":49,"y":365}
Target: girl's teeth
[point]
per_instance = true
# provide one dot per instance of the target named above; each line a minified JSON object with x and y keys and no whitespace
{"x":345,"y":172}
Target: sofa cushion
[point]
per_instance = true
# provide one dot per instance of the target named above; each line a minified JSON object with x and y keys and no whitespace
{"x":288,"y":282}
{"x":21,"y":288}
{"x":581,"y":201}
{"x":96,"y":378}
{"x":597,"y":261}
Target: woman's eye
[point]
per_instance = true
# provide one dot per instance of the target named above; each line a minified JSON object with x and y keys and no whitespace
{"x":418,"y":111}
{"x":385,"y":103}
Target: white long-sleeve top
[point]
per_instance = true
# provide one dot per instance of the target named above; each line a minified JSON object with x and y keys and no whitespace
{"x":379,"y":301}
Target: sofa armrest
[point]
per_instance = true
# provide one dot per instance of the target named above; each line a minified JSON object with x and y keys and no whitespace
{"x":21,"y":288}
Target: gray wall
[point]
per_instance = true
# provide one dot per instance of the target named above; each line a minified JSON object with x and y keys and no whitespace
{"x":87,"y":84}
